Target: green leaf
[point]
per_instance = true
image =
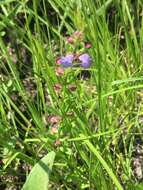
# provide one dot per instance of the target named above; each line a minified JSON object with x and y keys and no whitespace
{"x":103,"y":162}
{"x":39,"y":176}
{"x":139,"y":187}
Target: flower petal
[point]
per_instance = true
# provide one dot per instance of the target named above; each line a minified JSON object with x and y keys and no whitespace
{"x":67,"y":60}
{"x":86,"y":60}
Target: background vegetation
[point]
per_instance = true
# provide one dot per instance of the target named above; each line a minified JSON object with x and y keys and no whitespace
{"x":98,"y":136}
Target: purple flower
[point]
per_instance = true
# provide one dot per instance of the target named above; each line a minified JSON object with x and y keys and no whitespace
{"x":86,"y":60}
{"x":67,"y":60}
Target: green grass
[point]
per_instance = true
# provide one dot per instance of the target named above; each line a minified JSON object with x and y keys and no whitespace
{"x":101,"y":121}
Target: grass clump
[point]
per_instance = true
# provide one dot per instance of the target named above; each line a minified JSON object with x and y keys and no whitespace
{"x":71,"y":83}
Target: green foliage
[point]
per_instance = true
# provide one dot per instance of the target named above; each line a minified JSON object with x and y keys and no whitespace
{"x":99,"y":126}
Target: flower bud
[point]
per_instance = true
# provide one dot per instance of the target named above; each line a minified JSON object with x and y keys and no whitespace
{"x":57,"y":87}
{"x":58,"y":61}
{"x":70,"y":40}
{"x":54,"y":119}
{"x":59,"y":71}
{"x":88,"y":45}
{"x":57,"y":143}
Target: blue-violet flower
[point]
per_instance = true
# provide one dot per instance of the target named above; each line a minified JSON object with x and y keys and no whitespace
{"x":67,"y":60}
{"x":86,"y":60}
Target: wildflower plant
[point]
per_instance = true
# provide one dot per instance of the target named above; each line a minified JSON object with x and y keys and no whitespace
{"x":76,"y":54}
{"x":67,"y":67}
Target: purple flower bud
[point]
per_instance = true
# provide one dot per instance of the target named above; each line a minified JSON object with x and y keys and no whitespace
{"x":70,"y":40}
{"x":88,"y":45}
{"x":67,"y":60}
{"x":86,"y":60}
